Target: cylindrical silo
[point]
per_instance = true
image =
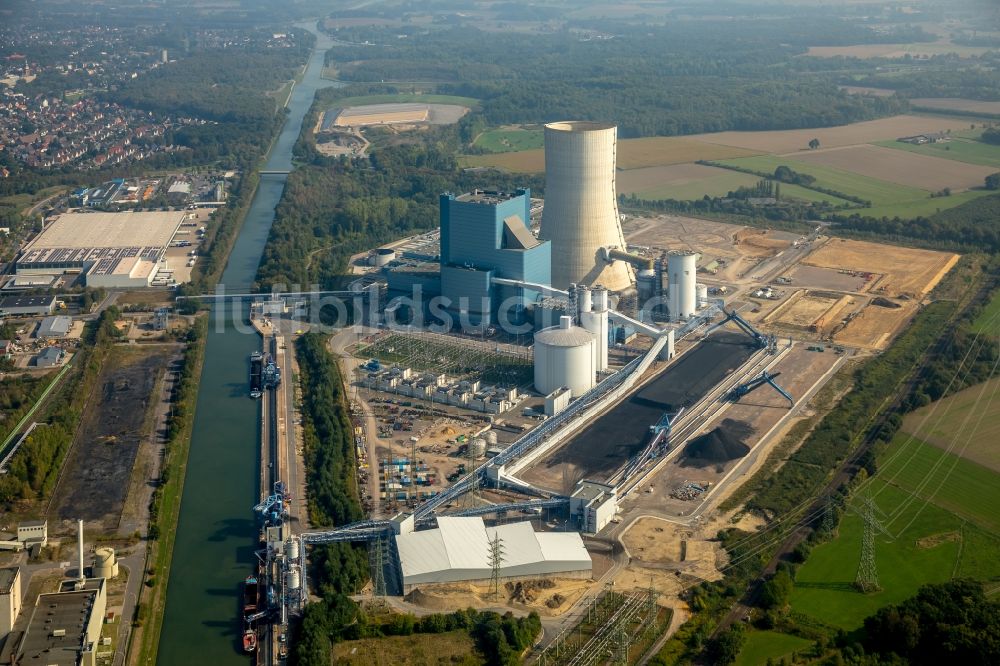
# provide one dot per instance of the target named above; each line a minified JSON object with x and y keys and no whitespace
{"x":491,"y":437}
{"x":595,"y":321}
{"x":584,"y":298}
{"x":383,"y":256}
{"x":478,"y":447}
{"x":581,"y":213}
{"x":292,"y":550}
{"x":702,"y":292}
{"x":564,"y":356}
{"x":682,"y":272}
{"x":292,"y":578}
{"x":105,"y":564}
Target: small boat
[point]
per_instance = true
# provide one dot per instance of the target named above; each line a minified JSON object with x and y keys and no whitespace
{"x":249,"y":640}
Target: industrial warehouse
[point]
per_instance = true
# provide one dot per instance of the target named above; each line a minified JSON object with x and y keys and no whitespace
{"x":111,"y":250}
{"x":542,"y":379}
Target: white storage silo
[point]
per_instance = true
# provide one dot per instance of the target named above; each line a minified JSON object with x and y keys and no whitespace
{"x":564,"y":356}
{"x":105,"y":564}
{"x":595,"y":320}
{"x":491,"y":437}
{"x":702,"y":291}
{"x":478,"y":447}
{"x":292,"y":578}
{"x":682,"y":270}
{"x":292,"y":550}
{"x":580,"y":216}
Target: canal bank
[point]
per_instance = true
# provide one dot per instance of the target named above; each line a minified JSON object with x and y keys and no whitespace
{"x":216,"y":532}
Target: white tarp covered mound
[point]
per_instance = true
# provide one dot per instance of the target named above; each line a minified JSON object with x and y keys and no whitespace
{"x":459,"y":549}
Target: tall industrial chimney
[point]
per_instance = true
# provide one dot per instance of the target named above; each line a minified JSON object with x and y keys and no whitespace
{"x":81,"y":579}
{"x":581,"y":213}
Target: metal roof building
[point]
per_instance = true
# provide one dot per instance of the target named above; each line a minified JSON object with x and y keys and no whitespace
{"x":460,"y":550}
{"x":54,"y":327}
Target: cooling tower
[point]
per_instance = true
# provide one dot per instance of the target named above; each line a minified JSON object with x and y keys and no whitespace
{"x":581,"y":213}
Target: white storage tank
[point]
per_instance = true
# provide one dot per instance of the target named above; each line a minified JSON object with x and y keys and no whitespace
{"x":682,"y":270}
{"x":478,"y":447}
{"x":491,"y":437}
{"x":105,"y":563}
{"x":292,"y":578}
{"x":292,"y":550}
{"x":564,"y":356}
{"x":702,"y":291}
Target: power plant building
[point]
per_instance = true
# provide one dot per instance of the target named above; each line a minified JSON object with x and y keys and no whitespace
{"x":65,"y":627}
{"x":460,"y":550}
{"x":580,"y":216}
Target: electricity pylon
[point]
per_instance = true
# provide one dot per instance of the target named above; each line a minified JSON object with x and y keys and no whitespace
{"x":496,"y":559}
{"x":867,"y":578}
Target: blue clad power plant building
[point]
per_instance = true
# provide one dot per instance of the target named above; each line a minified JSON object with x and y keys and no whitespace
{"x":484,"y":234}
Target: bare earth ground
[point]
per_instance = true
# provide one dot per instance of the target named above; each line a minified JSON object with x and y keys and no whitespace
{"x":637,"y":180}
{"x":826,"y":278}
{"x":938,"y":422}
{"x":550,"y":599}
{"x":792,"y":141}
{"x":714,"y":240}
{"x":803,"y":311}
{"x":95,"y":478}
{"x":957,"y":103}
{"x":906,"y":271}
{"x":904,"y":168}
{"x":875,"y":326}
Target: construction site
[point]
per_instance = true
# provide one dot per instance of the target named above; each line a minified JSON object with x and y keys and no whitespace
{"x":550,"y":401}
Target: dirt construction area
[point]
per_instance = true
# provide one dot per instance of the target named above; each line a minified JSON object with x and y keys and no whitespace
{"x":902,"y":167}
{"x":905,"y":272}
{"x":116,"y":424}
{"x":813,"y":311}
{"x":736,"y":249}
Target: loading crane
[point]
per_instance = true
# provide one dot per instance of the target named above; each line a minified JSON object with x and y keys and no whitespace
{"x":764,"y":377}
{"x":657,"y":444}
{"x":272,"y":507}
{"x":763,"y":340}
{"x":259,"y":615}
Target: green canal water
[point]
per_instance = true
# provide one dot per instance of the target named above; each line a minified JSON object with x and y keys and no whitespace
{"x":216,"y":534}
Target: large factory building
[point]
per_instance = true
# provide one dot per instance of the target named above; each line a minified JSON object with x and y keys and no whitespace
{"x":460,"y":549}
{"x":484,"y":234}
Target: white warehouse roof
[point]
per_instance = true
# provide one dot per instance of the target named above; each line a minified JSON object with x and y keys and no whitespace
{"x":459,"y":549}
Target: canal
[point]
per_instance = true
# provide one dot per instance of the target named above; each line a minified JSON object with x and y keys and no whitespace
{"x":216,"y":534}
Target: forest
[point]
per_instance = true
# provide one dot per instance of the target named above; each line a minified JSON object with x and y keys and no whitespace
{"x":679,"y":78}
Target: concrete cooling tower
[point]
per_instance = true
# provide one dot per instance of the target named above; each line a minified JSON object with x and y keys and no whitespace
{"x":581,"y":213}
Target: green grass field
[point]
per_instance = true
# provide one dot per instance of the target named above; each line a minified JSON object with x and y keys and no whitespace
{"x":763,"y":645}
{"x":941,"y":524}
{"x":723,"y":184}
{"x":510,"y":140}
{"x":364,"y":100}
{"x":958,"y":149}
{"x":879,"y":192}
{"x":924,"y":207}
{"x":988,"y":320}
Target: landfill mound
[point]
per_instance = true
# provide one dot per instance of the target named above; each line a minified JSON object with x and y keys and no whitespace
{"x":722,"y":444}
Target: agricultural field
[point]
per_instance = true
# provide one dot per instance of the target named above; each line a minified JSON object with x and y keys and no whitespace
{"x":879,"y":192}
{"x":895,"y":166}
{"x":938,"y":512}
{"x":761,"y":646}
{"x":632,"y":154}
{"x":510,"y":140}
{"x":969,"y":151}
{"x":961,"y":421}
{"x":922,"y":207}
{"x":957,"y":104}
{"x":779,"y":142}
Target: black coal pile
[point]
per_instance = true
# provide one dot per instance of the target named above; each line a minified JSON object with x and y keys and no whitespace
{"x":885,"y":303}
{"x":720,"y":445}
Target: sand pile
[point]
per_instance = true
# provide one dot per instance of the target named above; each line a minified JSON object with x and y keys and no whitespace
{"x":722,"y":444}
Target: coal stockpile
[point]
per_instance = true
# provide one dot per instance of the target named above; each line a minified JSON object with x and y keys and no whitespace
{"x":610,"y":440}
{"x":720,"y":445}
